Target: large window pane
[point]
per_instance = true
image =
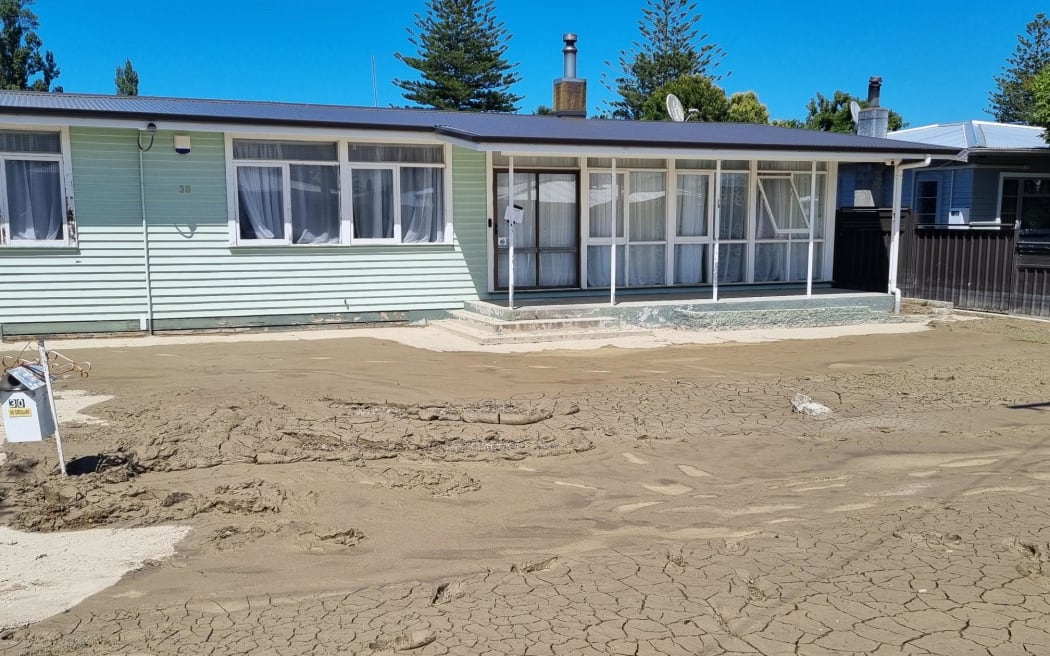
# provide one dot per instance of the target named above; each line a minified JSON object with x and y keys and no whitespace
{"x":732,"y":262}
{"x":648,"y":206}
{"x":557,"y":210}
{"x":524,"y":269}
{"x":373,"y":204}
{"x":771,"y":263}
{"x":598,"y":265}
{"x":29,"y":142}
{"x":733,"y":214}
{"x":601,"y":210}
{"x":315,"y":204}
{"x":260,"y":201}
{"x":646,"y":265}
{"x":34,"y":200}
{"x":692,"y":206}
{"x":422,"y":205}
{"x":689,"y":265}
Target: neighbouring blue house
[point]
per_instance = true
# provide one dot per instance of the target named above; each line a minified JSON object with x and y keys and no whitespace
{"x":138,"y":213}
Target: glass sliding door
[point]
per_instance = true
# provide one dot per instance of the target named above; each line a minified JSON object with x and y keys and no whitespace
{"x":546,"y":243}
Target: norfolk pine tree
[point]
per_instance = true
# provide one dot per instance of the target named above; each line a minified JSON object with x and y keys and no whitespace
{"x":460,"y":47}
{"x":1013,"y":100}
{"x":671,"y":47}
{"x":20,"y":55}
{"x":127,"y":80}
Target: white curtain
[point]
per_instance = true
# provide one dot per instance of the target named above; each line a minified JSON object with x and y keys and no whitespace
{"x":261,"y":195}
{"x":34,"y":199}
{"x":692,"y":205}
{"x":601,"y":206}
{"x":771,"y":262}
{"x":732,"y":222}
{"x":648,"y":222}
{"x":557,"y":229}
{"x":732,"y":263}
{"x":373,"y":191}
{"x":422,"y":205}
{"x":598,"y":266}
{"x":689,"y":265}
{"x":315,"y":204}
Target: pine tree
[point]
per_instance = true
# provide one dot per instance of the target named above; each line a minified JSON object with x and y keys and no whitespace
{"x":20,"y":55}
{"x":127,"y":80}
{"x":460,"y":47}
{"x":1012,"y":101}
{"x":671,"y":47}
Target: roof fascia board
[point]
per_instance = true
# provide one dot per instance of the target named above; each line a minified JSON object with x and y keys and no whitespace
{"x":699,"y":153}
{"x":276,"y":128}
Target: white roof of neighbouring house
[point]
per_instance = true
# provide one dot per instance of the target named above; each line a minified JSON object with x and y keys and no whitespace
{"x":974,"y":135}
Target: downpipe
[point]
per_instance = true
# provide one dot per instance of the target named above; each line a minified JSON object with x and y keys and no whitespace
{"x":895,"y":228}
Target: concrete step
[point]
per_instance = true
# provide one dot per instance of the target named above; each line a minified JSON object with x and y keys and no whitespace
{"x":499,"y":326}
{"x":483,"y":337}
{"x":532,"y":312}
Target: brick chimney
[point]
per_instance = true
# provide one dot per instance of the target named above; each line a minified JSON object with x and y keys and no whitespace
{"x":570,"y":92}
{"x":873,"y":120}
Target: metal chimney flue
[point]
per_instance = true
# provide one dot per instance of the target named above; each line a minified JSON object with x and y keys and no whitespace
{"x":874,"y":89}
{"x":570,"y":92}
{"x":570,"y":56}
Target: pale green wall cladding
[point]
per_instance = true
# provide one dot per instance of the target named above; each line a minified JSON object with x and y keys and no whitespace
{"x":104,"y":278}
{"x":195,"y":272}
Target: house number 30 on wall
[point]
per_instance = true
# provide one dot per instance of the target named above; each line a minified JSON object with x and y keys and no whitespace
{"x":184,"y":189}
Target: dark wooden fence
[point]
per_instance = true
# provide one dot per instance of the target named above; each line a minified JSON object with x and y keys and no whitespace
{"x":991,"y":269}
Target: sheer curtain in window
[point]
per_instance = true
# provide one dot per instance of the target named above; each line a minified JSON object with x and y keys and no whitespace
{"x":373,"y":192}
{"x":648,"y":222}
{"x":261,"y":195}
{"x":557,"y":229}
{"x":690,"y":267}
{"x":315,"y":204}
{"x":34,"y":199}
{"x":422,"y":205}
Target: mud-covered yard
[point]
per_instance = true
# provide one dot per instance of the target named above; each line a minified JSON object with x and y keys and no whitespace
{"x":358,"y":495}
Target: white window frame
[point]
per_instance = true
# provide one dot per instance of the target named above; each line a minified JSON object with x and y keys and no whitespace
{"x":396,"y":168}
{"x":346,"y":167}
{"x":788,"y":236}
{"x":674,"y":239}
{"x":70,"y":238}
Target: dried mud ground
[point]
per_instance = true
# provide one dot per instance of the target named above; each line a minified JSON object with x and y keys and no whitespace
{"x":360,"y":496}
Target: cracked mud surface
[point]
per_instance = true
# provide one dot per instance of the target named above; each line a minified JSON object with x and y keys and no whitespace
{"x":665,"y":502}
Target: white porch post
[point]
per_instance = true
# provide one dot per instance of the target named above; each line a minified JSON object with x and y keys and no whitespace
{"x":718,"y":227}
{"x":812,"y":223}
{"x":510,"y":225}
{"x":612,"y":257}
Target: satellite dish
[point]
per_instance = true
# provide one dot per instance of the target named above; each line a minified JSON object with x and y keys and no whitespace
{"x":675,"y":109}
{"x":854,"y":111}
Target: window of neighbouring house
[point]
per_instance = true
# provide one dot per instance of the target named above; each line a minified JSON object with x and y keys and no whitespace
{"x":1026,"y":202}
{"x":926,"y":202}
{"x":398,"y":193}
{"x":33,"y":199}
{"x":287,"y":192}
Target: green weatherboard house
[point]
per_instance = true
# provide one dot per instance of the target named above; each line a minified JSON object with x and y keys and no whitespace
{"x":138,"y":213}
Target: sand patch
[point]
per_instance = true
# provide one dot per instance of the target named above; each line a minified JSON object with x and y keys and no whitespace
{"x":670,"y":489}
{"x":998,"y":488}
{"x":631,"y":507}
{"x":850,"y":507}
{"x":44,"y":574}
{"x":972,"y":462}
{"x":693,"y":472}
{"x":633,"y":459}
{"x":734,"y":512}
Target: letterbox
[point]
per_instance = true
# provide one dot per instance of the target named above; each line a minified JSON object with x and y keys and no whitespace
{"x":25,"y":406}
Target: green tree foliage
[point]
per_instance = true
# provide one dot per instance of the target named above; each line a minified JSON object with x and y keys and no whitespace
{"x":671,"y":47}
{"x":833,"y":114}
{"x":1039,"y":85}
{"x":1012,"y":101}
{"x":21,"y":59}
{"x":460,"y":47}
{"x":127,"y":80}
{"x":696,"y":92}
{"x":747,"y":108}
{"x":543,"y":110}
{"x":789,"y":123}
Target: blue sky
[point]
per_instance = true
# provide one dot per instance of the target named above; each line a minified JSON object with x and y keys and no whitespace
{"x":937,"y":57}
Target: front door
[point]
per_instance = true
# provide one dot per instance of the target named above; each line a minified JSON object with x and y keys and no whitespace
{"x":547,"y":241}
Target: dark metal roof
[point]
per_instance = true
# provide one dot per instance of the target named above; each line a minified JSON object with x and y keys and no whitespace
{"x":471,"y":127}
